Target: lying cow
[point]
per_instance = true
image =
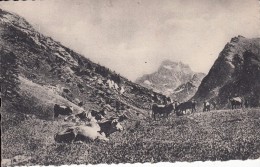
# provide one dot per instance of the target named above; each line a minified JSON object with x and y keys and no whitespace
{"x":182,"y":107}
{"x":161,"y":109}
{"x":62,"y":110}
{"x":90,"y":132}
{"x":235,"y":101}
{"x":206,"y":106}
{"x":110,"y":126}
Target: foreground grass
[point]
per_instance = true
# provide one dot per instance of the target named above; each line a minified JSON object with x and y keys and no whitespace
{"x":216,"y":135}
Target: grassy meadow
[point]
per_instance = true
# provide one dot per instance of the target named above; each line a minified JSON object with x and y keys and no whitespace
{"x":28,"y":129}
{"x":214,"y":135}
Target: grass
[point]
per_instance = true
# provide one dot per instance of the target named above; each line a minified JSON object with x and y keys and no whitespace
{"x":216,"y":135}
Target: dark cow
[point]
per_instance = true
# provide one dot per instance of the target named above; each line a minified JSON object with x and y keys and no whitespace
{"x":235,"y":101}
{"x":182,"y":107}
{"x":92,"y":131}
{"x":62,"y":110}
{"x":97,"y":115}
{"x":206,"y":106}
{"x":161,"y":109}
{"x":110,"y":126}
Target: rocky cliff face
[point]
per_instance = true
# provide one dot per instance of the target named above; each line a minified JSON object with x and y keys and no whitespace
{"x":187,"y":90}
{"x":172,"y":79}
{"x":236,"y":72}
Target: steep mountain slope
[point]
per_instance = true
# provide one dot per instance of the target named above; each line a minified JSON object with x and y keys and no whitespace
{"x":170,"y":78}
{"x":74,"y":77}
{"x":187,"y":90}
{"x":236,"y":72}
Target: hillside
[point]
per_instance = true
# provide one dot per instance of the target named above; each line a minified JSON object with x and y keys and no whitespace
{"x":236,"y":72}
{"x":173,"y":79}
{"x":187,"y":90}
{"x":48,"y":63}
{"x":211,"y":136}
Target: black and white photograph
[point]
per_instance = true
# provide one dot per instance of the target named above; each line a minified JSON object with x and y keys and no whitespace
{"x":94,"y":82}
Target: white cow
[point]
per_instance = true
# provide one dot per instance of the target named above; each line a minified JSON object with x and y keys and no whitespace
{"x":89,"y":132}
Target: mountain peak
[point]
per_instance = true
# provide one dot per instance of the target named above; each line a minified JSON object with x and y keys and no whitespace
{"x":169,"y":76}
{"x":236,"y":39}
{"x":168,"y":65}
{"x":14,"y":19}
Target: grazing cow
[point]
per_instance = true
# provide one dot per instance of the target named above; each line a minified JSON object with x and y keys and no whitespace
{"x":182,"y":107}
{"x":235,"y":101}
{"x":62,"y":110}
{"x":206,"y":106}
{"x":161,"y":109}
{"x":90,"y":132}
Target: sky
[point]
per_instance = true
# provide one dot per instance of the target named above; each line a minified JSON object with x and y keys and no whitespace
{"x":133,"y":37}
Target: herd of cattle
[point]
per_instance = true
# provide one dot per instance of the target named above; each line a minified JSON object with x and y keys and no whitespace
{"x":182,"y":108}
{"x":88,"y":126}
{"x":92,"y":125}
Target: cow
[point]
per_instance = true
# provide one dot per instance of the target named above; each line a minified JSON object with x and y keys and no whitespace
{"x":98,"y":115}
{"x":89,"y":132}
{"x":62,"y":110}
{"x":161,"y":109}
{"x":235,"y":101}
{"x":184,"y":106}
{"x":110,"y":126}
{"x":206,"y":106}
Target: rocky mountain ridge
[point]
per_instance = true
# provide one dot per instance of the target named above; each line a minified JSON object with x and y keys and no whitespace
{"x":236,"y":72}
{"x":173,"y":79}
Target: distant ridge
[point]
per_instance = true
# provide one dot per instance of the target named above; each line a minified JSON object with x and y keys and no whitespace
{"x":170,"y":78}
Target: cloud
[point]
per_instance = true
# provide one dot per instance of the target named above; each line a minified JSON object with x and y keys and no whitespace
{"x":122,"y":35}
